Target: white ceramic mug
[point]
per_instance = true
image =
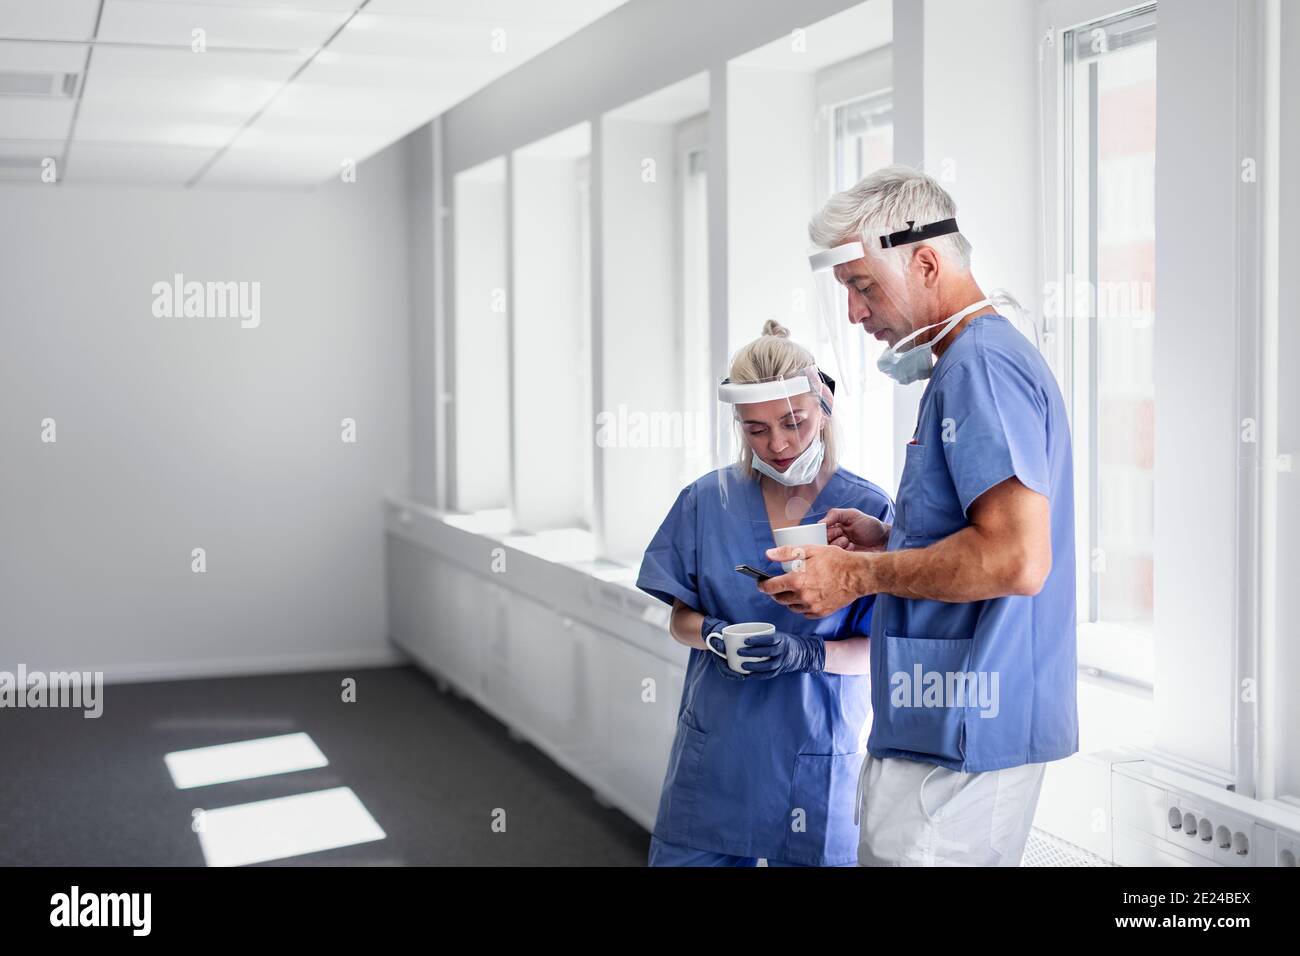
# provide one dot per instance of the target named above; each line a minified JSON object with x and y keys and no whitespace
{"x":797,"y":535}
{"x":733,"y":637}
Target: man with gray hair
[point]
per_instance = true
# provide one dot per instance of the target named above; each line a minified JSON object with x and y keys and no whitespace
{"x":973,"y":663}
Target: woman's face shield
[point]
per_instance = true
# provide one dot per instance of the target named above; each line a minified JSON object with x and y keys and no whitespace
{"x":778,"y":427}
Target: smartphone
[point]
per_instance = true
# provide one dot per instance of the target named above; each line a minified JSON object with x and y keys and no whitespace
{"x":753,"y":572}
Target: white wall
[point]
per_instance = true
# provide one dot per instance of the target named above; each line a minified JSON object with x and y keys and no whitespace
{"x":640,"y":336}
{"x":1287,"y":611}
{"x":977,"y":96}
{"x":179,"y":433}
{"x":770,"y":198}
{"x":545,"y":313}
{"x":981,"y":132}
{"x":480,"y":408}
{"x":428,"y":234}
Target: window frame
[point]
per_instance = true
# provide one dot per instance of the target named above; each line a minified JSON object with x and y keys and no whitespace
{"x":1118,"y":653}
{"x":838,"y":85}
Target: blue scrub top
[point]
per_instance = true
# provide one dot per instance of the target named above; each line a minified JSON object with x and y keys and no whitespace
{"x":991,"y":410}
{"x":759,"y":768}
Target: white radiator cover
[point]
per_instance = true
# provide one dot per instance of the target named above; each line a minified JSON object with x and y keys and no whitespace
{"x":1120,"y":806}
{"x":581,"y":668}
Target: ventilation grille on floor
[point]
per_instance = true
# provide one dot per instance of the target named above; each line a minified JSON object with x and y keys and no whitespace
{"x":38,"y":84}
{"x":1043,"y":849}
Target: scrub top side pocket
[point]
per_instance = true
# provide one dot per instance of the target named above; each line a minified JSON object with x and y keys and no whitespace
{"x":911,"y":719}
{"x":819,"y":826}
{"x":679,"y":801}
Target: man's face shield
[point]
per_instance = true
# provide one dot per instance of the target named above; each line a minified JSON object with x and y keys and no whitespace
{"x":774,"y":431}
{"x":852,"y":301}
{"x":868,"y":297}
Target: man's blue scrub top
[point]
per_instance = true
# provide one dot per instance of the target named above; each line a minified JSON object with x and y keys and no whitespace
{"x":759,"y":768}
{"x":989,"y":684}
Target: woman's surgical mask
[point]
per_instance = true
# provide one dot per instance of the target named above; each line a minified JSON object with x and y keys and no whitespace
{"x":802,"y":470}
{"x":917,"y":363}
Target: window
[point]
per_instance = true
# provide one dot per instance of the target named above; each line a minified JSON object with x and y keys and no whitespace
{"x":1108,"y":254}
{"x":862,"y":133}
{"x":856,"y":137}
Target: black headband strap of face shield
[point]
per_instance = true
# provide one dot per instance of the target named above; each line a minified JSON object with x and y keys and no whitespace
{"x":829,"y":383}
{"x":915,"y":233}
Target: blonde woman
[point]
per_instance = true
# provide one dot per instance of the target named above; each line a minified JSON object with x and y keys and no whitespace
{"x":765,"y":761}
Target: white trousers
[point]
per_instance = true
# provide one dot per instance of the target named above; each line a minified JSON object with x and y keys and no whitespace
{"x":920,"y":814}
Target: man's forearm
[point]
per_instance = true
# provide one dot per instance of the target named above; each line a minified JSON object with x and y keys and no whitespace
{"x":959,"y":568}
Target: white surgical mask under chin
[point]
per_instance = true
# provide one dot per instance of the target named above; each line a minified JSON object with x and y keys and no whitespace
{"x":917,"y":362}
{"x":801,"y":471}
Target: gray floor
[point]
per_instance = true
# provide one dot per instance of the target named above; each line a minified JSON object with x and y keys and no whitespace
{"x":428,"y":766}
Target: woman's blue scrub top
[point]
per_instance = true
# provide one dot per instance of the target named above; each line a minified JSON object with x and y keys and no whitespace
{"x":986,"y":684}
{"x":759,"y":768}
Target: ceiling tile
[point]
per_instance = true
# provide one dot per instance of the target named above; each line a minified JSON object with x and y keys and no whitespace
{"x":156,"y":97}
{"x":429,"y":37}
{"x":570,"y":13}
{"x":177,"y":83}
{"x":243,"y":27}
{"x":164,"y":66}
{"x":48,"y":19}
{"x":42,"y":57}
{"x":347,"y":6}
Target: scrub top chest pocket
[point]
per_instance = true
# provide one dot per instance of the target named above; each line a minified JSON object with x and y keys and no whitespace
{"x":911,"y":506}
{"x":928,"y":505}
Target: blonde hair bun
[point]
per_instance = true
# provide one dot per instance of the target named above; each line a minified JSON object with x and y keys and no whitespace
{"x":773,"y":327}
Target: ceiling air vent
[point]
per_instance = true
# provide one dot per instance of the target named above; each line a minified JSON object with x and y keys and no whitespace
{"x":38,"y":84}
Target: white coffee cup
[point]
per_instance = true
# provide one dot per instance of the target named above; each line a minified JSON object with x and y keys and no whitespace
{"x":797,"y":535}
{"x":733,"y":636}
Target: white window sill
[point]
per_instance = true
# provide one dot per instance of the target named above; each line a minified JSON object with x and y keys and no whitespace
{"x":1120,"y":651}
{"x":571,"y":547}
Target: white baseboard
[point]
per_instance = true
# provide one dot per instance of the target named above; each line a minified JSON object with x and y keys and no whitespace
{"x":360,"y":657}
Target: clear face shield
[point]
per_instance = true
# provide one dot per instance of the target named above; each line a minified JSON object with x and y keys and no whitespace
{"x":772,"y":448}
{"x":864,"y":291}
